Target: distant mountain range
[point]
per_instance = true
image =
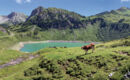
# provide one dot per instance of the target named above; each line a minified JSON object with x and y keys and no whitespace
{"x":120,"y":15}
{"x":104,"y":26}
{"x":13,"y":18}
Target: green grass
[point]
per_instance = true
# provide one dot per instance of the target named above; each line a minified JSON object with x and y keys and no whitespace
{"x":7,"y":55}
{"x":73,"y":64}
{"x":115,"y":43}
{"x":12,"y":72}
{"x":7,"y":41}
{"x":115,"y":16}
{"x":61,"y":53}
{"x":89,"y":32}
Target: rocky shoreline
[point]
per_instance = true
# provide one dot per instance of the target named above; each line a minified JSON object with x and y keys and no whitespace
{"x":20,"y":45}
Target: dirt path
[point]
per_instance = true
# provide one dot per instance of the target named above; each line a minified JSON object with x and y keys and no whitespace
{"x":18,"y":61}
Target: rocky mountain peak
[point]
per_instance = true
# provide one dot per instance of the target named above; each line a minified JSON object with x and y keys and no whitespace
{"x":15,"y":17}
{"x":12,"y":14}
{"x":37,"y":10}
{"x":123,"y":9}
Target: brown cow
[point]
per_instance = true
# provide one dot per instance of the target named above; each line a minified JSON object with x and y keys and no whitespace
{"x":88,"y":47}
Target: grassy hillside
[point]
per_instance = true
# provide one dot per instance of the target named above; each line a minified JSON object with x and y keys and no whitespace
{"x":3,"y":31}
{"x":60,"y":24}
{"x":120,"y":15}
{"x":33,"y":33}
{"x":73,"y":64}
{"x":69,"y":63}
{"x":6,"y":54}
{"x":2,"y":34}
{"x":112,"y":24}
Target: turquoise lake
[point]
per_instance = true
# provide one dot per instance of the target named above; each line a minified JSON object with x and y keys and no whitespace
{"x":37,"y":46}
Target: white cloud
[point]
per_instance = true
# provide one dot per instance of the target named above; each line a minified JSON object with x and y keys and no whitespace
{"x":125,"y":0}
{"x":28,"y":1}
{"x":23,"y":1}
{"x":19,"y":1}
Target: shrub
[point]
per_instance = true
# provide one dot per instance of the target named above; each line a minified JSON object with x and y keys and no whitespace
{"x":117,"y":76}
{"x":99,"y":76}
{"x":32,"y":71}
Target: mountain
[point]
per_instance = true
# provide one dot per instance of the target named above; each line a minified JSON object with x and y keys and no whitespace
{"x":109,"y":61}
{"x":13,"y":18}
{"x":57,"y":24}
{"x":113,"y":24}
{"x":47,"y":18}
{"x":120,"y":15}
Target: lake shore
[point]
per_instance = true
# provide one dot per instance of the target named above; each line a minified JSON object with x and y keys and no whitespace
{"x":20,"y":45}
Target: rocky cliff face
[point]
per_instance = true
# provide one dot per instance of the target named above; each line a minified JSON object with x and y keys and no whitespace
{"x":13,"y":18}
{"x":16,"y":17}
{"x":54,"y":18}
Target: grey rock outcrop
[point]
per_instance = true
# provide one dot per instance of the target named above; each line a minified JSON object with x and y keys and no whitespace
{"x":13,"y":18}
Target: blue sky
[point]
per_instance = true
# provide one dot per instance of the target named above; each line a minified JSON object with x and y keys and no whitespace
{"x":83,"y":7}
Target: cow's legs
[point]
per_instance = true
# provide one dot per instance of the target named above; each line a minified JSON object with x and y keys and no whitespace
{"x":86,"y":51}
{"x":92,"y":49}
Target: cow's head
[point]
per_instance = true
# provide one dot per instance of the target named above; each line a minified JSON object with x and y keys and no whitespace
{"x":82,"y":47}
{"x":92,"y":44}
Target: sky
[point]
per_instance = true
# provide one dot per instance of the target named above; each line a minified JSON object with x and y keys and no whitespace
{"x":83,"y":7}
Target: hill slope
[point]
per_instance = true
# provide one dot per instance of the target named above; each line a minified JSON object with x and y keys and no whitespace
{"x":121,"y":15}
{"x":62,"y":24}
{"x":113,"y":25}
{"x":73,"y":64}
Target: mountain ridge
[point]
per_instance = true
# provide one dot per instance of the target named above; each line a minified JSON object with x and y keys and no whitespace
{"x":104,"y":26}
{"x":13,"y":18}
{"x":53,"y":18}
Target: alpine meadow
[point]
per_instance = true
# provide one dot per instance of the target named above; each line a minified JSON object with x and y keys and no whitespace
{"x":58,"y":43}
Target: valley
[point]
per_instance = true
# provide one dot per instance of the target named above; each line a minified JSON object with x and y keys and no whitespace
{"x":61,"y":34}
